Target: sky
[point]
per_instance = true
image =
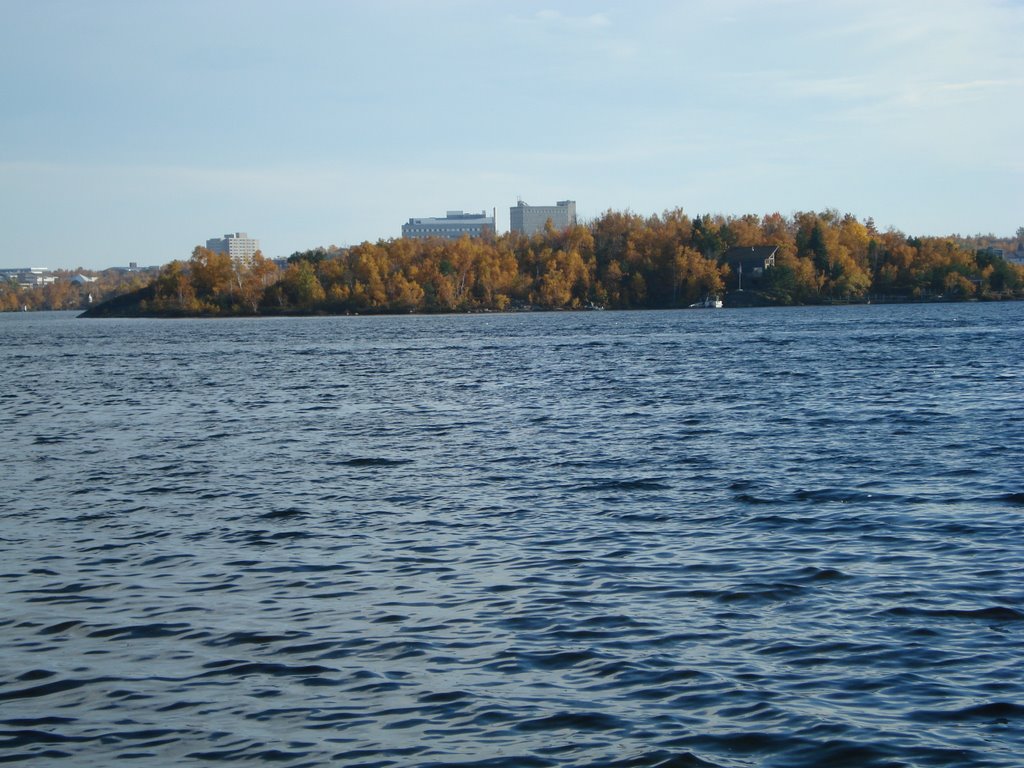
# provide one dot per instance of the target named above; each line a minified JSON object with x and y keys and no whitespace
{"x":134,"y":131}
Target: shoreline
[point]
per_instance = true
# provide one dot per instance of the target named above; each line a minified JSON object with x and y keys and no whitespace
{"x":759,"y":303}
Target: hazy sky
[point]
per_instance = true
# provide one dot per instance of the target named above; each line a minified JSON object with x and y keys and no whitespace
{"x":133,"y":131}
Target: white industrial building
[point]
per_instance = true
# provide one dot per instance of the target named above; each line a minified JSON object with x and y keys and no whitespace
{"x":531,"y":219}
{"x":238,"y":245}
{"x":453,"y":226}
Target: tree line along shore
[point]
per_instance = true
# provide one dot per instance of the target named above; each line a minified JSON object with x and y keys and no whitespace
{"x":61,"y":291}
{"x":620,"y":260}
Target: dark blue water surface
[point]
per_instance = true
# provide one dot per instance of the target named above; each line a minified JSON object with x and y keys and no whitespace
{"x":710,"y":538}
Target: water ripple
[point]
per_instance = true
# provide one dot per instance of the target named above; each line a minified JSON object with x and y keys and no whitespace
{"x":602,"y":540}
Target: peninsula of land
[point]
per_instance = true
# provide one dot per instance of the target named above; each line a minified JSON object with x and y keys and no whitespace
{"x":619,"y":261}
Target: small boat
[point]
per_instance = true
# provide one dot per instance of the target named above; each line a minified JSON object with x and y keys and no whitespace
{"x":709,"y":302}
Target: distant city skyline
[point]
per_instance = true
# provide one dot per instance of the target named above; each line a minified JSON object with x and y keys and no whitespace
{"x":132,"y":132}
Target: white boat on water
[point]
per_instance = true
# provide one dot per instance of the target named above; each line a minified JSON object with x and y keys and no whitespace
{"x":709,"y":302}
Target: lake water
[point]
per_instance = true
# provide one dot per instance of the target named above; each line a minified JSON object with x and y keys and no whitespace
{"x":789,"y":537}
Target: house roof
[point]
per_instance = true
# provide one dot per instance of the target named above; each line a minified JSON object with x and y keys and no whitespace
{"x":750,"y":256}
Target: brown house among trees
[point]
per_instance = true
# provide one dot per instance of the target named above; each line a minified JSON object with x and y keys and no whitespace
{"x":748,"y":263}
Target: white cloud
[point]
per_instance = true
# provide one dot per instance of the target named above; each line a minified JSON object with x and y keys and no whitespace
{"x":588,"y":39}
{"x":593,"y":21}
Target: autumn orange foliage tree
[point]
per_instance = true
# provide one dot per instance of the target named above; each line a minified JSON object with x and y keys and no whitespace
{"x":619,"y":260}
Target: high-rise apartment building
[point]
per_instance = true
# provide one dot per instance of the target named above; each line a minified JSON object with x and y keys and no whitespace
{"x":238,"y":245}
{"x":451,"y":227}
{"x":530,"y":219}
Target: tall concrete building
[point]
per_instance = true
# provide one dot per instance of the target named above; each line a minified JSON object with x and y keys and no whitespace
{"x":530,"y":219}
{"x":239,"y":246}
{"x":451,"y":227}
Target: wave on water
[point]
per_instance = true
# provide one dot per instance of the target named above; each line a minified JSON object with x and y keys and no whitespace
{"x":575,"y":540}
